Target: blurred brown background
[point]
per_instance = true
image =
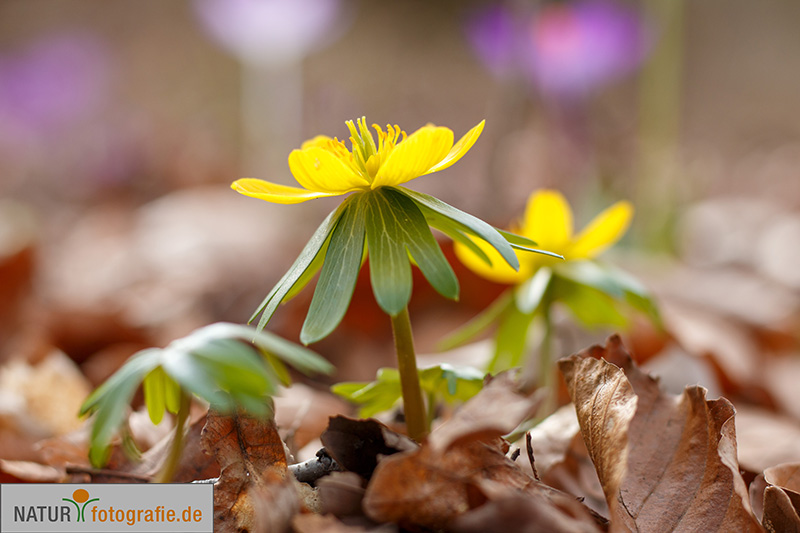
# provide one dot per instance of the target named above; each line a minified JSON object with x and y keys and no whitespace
{"x":117,"y":226}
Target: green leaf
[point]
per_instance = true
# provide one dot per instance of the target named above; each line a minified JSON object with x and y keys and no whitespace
{"x":278,"y":368}
{"x":389,"y":269}
{"x":517,"y":240}
{"x":613,"y":282}
{"x":216,"y":358}
{"x":455,"y":231}
{"x":295,"y":273}
{"x":375,"y":396}
{"x":154,"y":389}
{"x":529,"y":295}
{"x":475,"y":225}
{"x":339,"y":273}
{"x":591,"y":307}
{"x":172,"y":395}
{"x":477,"y":325}
{"x":309,"y":272}
{"x":452,"y":383}
{"x":110,"y":402}
{"x":444,"y":382}
{"x":511,"y":340}
{"x":423,"y":247}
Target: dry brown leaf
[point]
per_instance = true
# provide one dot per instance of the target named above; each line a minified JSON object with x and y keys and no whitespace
{"x":765,"y":439}
{"x":782,"y":498}
{"x":537,"y":509}
{"x":428,"y":488}
{"x":254,"y":491}
{"x":302,"y":413}
{"x":31,"y":472}
{"x":341,"y":493}
{"x":312,"y":523}
{"x":497,"y":410}
{"x":666,"y":463}
{"x":460,"y":467}
{"x":194,"y":463}
{"x":575,"y":474}
{"x":357,"y":445}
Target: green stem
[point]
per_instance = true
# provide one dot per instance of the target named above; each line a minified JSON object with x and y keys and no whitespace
{"x":546,"y":368}
{"x":170,"y":465}
{"x":413,"y":403}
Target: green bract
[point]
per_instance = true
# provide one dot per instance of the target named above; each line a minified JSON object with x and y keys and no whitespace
{"x":442,"y":382}
{"x":394,"y":224}
{"x":245,"y":365}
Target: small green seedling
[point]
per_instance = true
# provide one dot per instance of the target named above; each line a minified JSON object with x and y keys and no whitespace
{"x":229,"y":365}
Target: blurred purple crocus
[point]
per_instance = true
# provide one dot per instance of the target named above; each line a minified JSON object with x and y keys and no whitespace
{"x":567,"y":49}
{"x":48,"y":86}
{"x":269,"y":31}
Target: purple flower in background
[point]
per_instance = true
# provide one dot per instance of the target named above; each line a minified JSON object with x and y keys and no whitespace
{"x":582,"y":46}
{"x":51,"y":84}
{"x":566,"y":49}
{"x":497,"y":37}
{"x":269,"y":31}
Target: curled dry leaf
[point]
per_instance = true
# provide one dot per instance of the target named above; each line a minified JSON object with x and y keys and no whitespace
{"x":194,"y":462}
{"x":497,"y":410}
{"x":357,"y":445}
{"x":254,"y":491}
{"x":666,"y":463}
{"x":461,"y":467}
{"x":782,"y":498}
{"x":534,"y":510}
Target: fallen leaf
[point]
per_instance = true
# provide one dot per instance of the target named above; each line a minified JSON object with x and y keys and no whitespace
{"x":575,"y":474}
{"x":31,"y":472}
{"x":497,"y":410}
{"x":782,"y":498}
{"x":459,"y":468}
{"x":194,"y":463}
{"x":536,"y":510}
{"x":302,"y":413}
{"x":666,"y":463}
{"x":430,"y":488}
{"x":765,"y":439}
{"x":342,"y":493}
{"x":254,"y":491}
{"x":357,"y":445}
{"x":312,"y":523}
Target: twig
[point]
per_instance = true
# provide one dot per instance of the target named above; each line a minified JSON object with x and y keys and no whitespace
{"x":529,"y":447}
{"x":306,"y":472}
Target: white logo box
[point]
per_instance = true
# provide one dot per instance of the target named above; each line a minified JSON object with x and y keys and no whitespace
{"x":42,"y":508}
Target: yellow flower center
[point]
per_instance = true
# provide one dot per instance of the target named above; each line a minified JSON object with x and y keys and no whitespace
{"x":366,"y":156}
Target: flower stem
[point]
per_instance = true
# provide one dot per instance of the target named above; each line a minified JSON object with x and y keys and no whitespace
{"x":546,"y":367}
{"x":170,"y":465}
{"x":413,"y":403}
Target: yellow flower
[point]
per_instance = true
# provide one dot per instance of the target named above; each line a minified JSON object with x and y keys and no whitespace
{"x":548,"y":221}
{"x":325,"y":167}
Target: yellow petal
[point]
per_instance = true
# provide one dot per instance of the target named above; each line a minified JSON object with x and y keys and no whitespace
{"x":459,"y":149}
{"x":414,"y":156}
{"x":604,"y":230}
{"x":498,"y":271}
{"x":548,"y":220}
{"x":318,"y":169}
{"x":273,"y":192}
{"x":319,"y":140}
